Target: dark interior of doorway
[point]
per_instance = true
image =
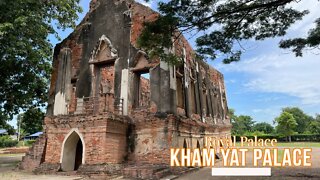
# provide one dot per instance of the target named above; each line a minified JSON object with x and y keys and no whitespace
{"x":78,"y":158}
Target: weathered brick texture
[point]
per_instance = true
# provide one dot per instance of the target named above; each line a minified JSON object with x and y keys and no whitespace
{"x":104,"y":138}
{"x":107,"y":117}
{"x":35,"y":156}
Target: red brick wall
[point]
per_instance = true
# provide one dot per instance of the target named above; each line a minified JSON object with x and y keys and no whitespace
{"x":154,"y":136}
{"x":140,"y":14}
{"x":104,"y":139}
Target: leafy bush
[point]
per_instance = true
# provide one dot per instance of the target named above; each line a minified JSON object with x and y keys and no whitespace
{"x":6,"y":141}
{"x":26,"y":143}
{"x":29,"y":142}
{"x":255,"y":133}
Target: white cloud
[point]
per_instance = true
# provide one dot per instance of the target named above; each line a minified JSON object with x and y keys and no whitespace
{"x":269,"y":99}
{"x":302,"y":27}
{"x":268,"y":111}
{"x":231,"y":81}
{"x":282,"y":73}
{"x":144,"y":2}
{"x":272,"y":71}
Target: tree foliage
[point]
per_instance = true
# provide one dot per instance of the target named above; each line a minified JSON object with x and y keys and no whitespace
{"x":240,"y":124}
{"x":299,"y":44}
{"x":264,"y":127}
{"x":231,"y":114}
{"x":292,"y":120}
{"x":286,"y":124}
{"x":314,"y":127}
{"x":156,"y":37}
{"x":301,"y":118}
{"x":222,"y":24}
{"x":25,"y":51}
{"x":4,"y":124}
{"x":31,"y":121}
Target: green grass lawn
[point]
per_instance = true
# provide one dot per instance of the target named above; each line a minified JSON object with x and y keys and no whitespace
{"x":299,"y":144}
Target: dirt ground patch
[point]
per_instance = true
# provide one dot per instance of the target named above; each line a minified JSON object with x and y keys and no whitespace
{"x":14,"y":150}
{"x":9,"y":161}
{"x":8,"y":171}
{"x":29,"y":176}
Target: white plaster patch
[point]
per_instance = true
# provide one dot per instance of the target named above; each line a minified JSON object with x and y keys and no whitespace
{"x":124,"y":90}
{"x":173,"y":80}
{"x":63,"y":83}
{"x":60,"y":104}
{"x":197,"y":66}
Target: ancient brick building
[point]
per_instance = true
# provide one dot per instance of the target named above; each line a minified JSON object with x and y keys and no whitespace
{"x":111,"y":106}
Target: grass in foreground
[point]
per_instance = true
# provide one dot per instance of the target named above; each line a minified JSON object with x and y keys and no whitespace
{"x":299,"y":144}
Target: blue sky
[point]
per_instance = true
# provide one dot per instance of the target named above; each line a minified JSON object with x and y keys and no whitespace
{"x":267,"y":78}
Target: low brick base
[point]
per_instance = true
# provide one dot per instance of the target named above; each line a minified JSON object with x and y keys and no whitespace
{"x":107,"y":169}
{"x":47,"y":168}
{"x":35,"y":156}
{"x":113,"y":146}
{"x":146,"y":172}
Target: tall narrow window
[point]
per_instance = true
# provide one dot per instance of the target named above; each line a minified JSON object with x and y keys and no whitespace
{"x":141,"y":90}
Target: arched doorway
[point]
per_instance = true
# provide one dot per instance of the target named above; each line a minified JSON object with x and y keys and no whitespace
{"x":72,"y":153}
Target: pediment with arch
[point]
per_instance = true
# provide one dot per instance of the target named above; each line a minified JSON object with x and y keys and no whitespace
{"x":104,"y":52}
{"x":141,"y":61}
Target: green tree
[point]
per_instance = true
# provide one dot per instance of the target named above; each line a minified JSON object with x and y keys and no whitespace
{"x":314,"y":127}
{"x":31,"y":121}
{"x":263,"y":127}
{"x":8,"y":127}
{"x":4,"y":124}
{"x":221,"y":26}
{"x":25,"y":50}
{"x":242,"y":124}
{"x":301,"y":118}
{"x":317,"y":118}
{"x":247,"y":122}
{"x":232,"y":115}
{"x":286,"y":125}
{"x":233,"y":120}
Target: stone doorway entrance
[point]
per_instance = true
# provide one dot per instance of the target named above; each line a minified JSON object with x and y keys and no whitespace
{"x":72,"y":153}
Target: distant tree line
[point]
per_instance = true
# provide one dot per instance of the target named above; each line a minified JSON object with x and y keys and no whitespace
{"x":30,"y":121}
{"x":291,"y":121}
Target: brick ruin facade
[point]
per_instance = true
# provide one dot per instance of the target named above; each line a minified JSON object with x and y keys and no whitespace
{"x":102,"y":109}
